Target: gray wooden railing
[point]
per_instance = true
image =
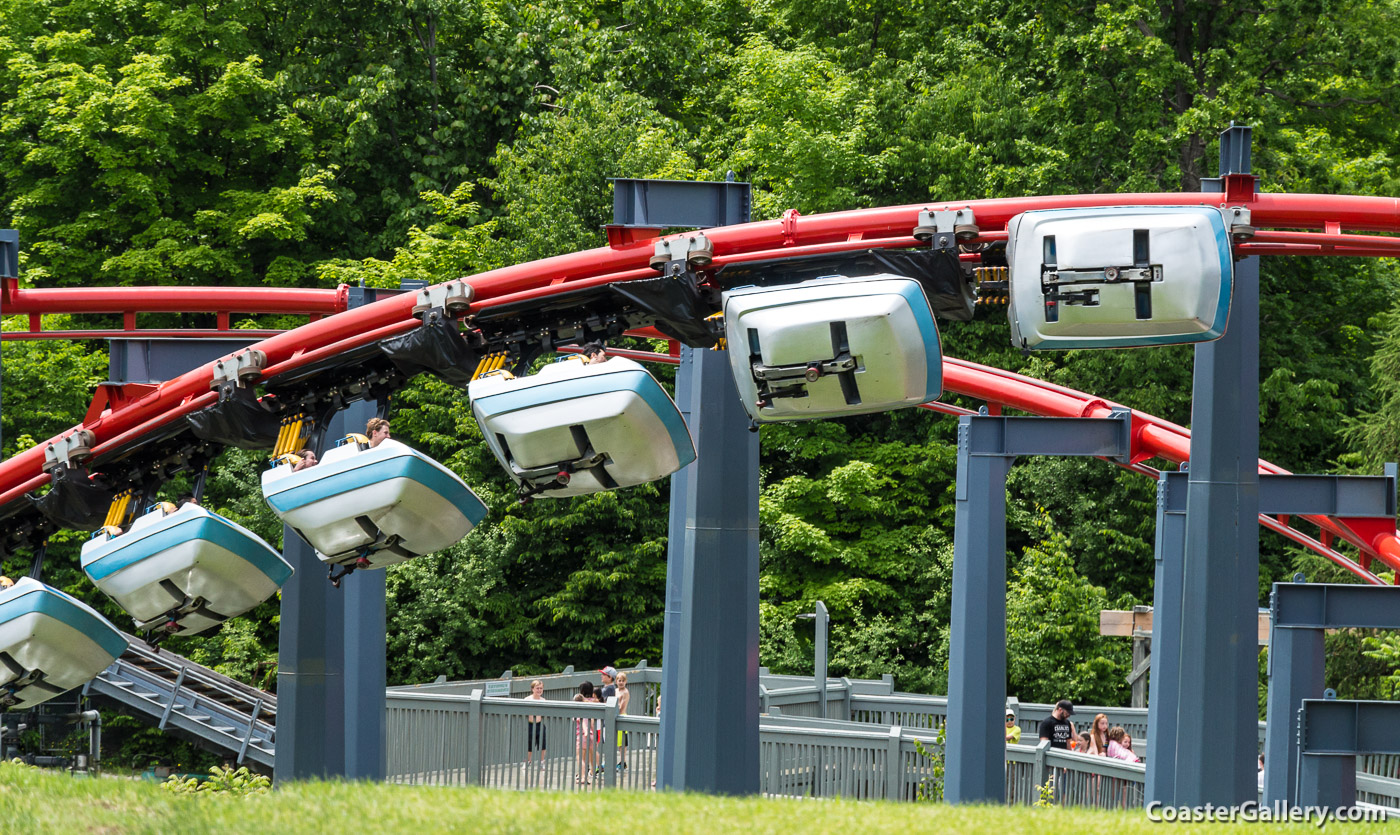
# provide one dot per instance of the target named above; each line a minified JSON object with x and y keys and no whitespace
{"x":451,"y":738}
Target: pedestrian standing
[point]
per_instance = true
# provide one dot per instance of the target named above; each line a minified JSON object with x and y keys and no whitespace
{"x":534,"y":727}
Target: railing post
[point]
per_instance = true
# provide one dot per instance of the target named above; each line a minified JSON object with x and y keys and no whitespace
{"x":252,"y":726}
{"x":1042,"y":771}
{"x":474,"y":737}
{"x":610,"y":743}
{"x":174,"y":696}
{"x":894,"y":765}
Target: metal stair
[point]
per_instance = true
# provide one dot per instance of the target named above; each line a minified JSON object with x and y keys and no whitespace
{"x":180,"y":696}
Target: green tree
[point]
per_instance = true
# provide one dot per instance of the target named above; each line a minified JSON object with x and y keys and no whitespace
{"x":1053,"y":647}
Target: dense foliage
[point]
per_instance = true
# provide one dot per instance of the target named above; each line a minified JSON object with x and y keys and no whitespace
{"x":281,"y":143}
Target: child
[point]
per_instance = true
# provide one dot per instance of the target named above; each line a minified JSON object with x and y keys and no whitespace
{"x":585,"y":746}
{"x":1118,"y":745}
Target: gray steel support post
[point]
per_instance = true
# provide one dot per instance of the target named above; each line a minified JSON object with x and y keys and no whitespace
{"x":987,"y":446}
{"x":1327,"y":780}
{"x":1363,"y":496}
{"x":1295,"y":673}
{"x":9,"y":268}
{"x":1300,"y":615}
{"x":1217,"y":695}
{"x":310,"y":667}
{"x":977,"y":657}
{"x":709,"y":688}
{"x":365,"y":650}
{"x":331,"y":652}
{"x":1166,"y":629}
{"x":1332,"y":733}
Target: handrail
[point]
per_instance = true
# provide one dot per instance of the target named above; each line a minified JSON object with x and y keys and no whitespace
{"x":476,"y":739}
{"x":190,"y":672}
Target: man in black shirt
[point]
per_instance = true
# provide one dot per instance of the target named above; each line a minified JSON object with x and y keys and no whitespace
{"x":1056,"y":727}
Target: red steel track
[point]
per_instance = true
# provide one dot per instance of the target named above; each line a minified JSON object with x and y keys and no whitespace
{"x":1279,"y":218}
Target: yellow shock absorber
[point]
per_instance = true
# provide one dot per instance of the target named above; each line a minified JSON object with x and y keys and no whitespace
{"x":295,"y":429}
{"x":120,"y":511}
{"x":721,"y":342}
{"x":489,"y":363}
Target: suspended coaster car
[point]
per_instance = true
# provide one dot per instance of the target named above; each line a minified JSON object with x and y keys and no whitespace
{"x":371,"y":508}
{"x":1115,"y":277}
{"x":577,"y":428}
{"x":183,"y":570}
{"x":50,"y":643}
{"x":832,"y":347}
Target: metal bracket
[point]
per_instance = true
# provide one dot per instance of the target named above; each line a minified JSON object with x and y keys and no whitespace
{"x":238,"y":368}
{"x":695,"y":250}
{"x":809,"y":371}
{"x":1108,"y":275}
{"x":943,"y":228}
{"x":798,"y":376}
{"x":1237,"y":218}
{"x":69,"y":450}
{"x":453,"y":296}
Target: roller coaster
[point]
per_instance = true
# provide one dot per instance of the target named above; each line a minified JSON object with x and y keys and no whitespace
{"x":282,"y":390}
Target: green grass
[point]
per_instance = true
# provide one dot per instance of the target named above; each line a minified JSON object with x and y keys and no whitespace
{"x":32,"y":801}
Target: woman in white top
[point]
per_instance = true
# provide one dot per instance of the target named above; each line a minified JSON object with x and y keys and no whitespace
{"x":534,"y":726}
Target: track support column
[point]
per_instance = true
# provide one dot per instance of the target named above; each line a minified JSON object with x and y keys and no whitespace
{"x":1301,"y":615}
{"x":975,"y":773}
{"x":1166,"y":637}
{"x":1217,"y":696}
{"x":710,"y":705}
{"x":366,"y":648}
{"x":987,"y":446}
{"x":310,"y":670}
{"x":331,"y":651}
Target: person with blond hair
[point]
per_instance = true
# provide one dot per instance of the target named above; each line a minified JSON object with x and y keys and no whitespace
{"x":534,"y":727}
{"x":624,"y":698}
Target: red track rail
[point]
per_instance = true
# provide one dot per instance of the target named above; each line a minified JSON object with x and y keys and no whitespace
{"x":887,"y":227}
{"x":128,"y":302}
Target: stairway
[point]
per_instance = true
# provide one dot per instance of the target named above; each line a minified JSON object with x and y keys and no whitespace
{"x":180,"y":696}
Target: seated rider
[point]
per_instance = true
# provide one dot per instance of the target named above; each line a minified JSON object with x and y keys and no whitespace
{"x":377,"y":430}
{"x":5,"y":582}
{"x":308,"y":459}
{"x":593,"y":353}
